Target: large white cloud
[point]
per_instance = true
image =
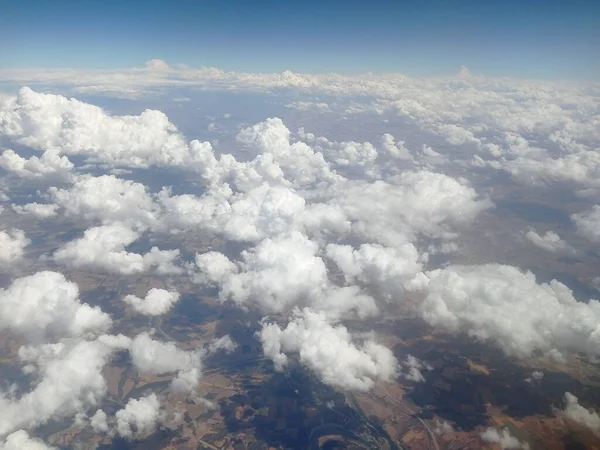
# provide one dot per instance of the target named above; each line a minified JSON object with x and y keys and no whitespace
{"x":411,"y":203}
{"x":46,"y":305}
{"x":329,"y":351}
{"x":107,"y":199}
{"x":53,"y":122}
{"x":300,"y":164}
{"x":504,"y":304}
{"x":277,"y":273}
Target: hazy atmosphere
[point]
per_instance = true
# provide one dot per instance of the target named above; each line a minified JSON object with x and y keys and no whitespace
{"x":285,"y":225}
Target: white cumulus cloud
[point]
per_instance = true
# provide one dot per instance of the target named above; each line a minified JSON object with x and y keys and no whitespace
{"x":156,"y":302}
{"x":329,"y":351}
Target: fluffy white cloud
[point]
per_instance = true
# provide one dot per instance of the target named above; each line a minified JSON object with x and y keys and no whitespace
{"x":46,"y":305}
{"x":503,"y":437}
{"x":385,"y":269}
{"x":299,"y":163}
{"x":356,"y":154}
{"x":277,"y":274}
{"x":329,"y":351}
{"x":424,"y":203}
{"x":504,"y":304}
{"x":574,"y":411}
{"x":550,"y":242}
{"x":588,"y":223}
{"x":498,"y":118}
{"x":139,"y":417}
{"x":156,"y":357}
{"x":122,"y":201}
{"x":213,"y":268}
{"x":190,"y":213}
{"x":51,"y":164}
{"x":156,"y":302}
{"x":264,"y":211}
{"x":53,"y":122}
{"x":99,"y":422}
{"x":40,"y":210}
{"x":103,"y":249}
{"x":12,"y":245}
{"x":285,"y":198}
{"x":70,"y":381}
{"x":247,"y":216}
{"x":395,"y":149}
{"x":20,"y":440}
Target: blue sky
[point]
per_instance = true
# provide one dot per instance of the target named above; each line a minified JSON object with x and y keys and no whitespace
{"x":533,"y":38}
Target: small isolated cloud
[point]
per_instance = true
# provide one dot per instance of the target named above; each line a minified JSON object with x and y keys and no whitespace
{"x":12,"y":245}
{"x":550,"y":242}
{"x":156,"y":302}
{"x":39,"y":210}
{"x":276,"y":274}
{"x":156,"y":357}
{"x":139,"y":417}
{"x":442,"y":427}
{"x":503,"y":437}
{"x":577,"y":413}
{"x":149,"y":139}
{"x":224,"y":343}
{"x":536,"y":377}
{"x":412,"y":368}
